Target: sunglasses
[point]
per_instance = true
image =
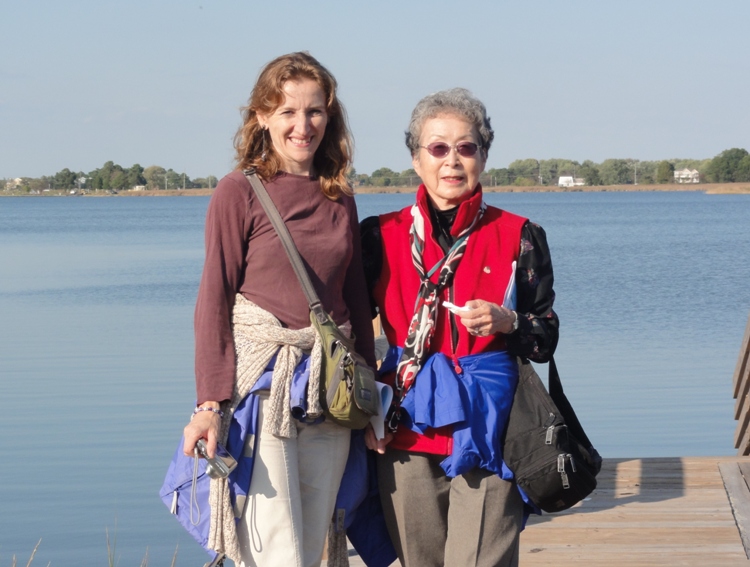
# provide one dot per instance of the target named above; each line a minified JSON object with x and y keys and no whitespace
{"x":441,"y":149}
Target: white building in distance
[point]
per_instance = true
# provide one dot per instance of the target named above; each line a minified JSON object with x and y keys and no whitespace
{"x":13,"y":183}
{"x":570,"y":181}
{"x":687,"y":176}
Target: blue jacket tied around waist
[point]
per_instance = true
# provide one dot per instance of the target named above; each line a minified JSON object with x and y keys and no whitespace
{"x":476,"y":403}
{"x":358,"y":494}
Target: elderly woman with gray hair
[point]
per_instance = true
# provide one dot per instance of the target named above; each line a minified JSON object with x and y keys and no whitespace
{"x":462,"y":289}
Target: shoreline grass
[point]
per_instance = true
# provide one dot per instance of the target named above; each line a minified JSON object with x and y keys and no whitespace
{"x":112,"y":560}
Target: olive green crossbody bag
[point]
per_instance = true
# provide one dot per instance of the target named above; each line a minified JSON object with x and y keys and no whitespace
{"x":347,"y":384}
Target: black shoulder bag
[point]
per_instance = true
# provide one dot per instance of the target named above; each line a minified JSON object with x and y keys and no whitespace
{"x":545,"y":446}
{"x":347,"y":385}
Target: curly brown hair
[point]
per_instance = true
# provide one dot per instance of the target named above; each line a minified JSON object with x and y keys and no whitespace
{"x":334,"y":156}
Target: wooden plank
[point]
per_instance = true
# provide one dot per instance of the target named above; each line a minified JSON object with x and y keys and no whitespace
{"x":741,"y":370}
{"x":741,"y":403}
{"x":738,"y":493}
{"x":632,"y":557}
{"x":743,"y":447}
{"x":675,"y":537}
{"x":741,"y":432}
{"x":741,"y":383}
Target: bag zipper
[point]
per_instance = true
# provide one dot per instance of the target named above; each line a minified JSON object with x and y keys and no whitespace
{"x":561,"y":470}
{"x":550,"y":434}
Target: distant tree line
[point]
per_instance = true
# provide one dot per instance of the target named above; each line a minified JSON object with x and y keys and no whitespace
{"x":114,"y":177}
{"x":729,"y":166}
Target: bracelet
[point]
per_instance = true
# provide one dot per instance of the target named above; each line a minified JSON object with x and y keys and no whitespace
{"x":212,"y":410}
{"x":514,"y":328}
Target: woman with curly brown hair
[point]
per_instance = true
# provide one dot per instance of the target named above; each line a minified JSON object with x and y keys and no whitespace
{"x":295,"y":136}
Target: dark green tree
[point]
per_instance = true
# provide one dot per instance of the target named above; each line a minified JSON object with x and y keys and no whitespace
{"x":616,"y":172}
{"x":106,"y":172}
{"x":174,"y":180}
{"x":119,"y":179}
{"x":498,"y":177}
{"x":743,"y":169}
{"x":524,"y":172}
{"x":98,"y":179}
{"x":135,"y":176}
{"x":102,"y":178}
{"x":383,"y":172}
{"x":724,"y":167}
{"x":665,"y":172}
{"x":65,"y":179}
{"x":383,"y":177}
{"x":552,"y":169}
{"x":647,"y":172}
{"x":364,"y":180}
{"x":590,"y":173}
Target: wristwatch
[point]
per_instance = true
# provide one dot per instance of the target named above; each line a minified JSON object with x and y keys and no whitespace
{"x":515,"y":323}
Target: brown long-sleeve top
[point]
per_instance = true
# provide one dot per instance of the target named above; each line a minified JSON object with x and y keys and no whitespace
{"x":244,"y":255}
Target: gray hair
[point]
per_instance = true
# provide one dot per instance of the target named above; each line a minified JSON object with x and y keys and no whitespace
{"x":456,"y":101}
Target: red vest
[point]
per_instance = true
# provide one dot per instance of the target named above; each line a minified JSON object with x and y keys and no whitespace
{"x":483,"y":273}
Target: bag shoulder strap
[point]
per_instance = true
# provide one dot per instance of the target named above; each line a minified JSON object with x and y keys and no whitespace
{"x":561,"y":401}
{"x":287,"y":241}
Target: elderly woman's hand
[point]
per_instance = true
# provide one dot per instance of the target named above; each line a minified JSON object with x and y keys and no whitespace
{"x":203,"y":425}
{"x":373,"y":442}
{"x":484,"y":318}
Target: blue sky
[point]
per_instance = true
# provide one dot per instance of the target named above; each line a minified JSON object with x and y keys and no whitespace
{"x":161,"y":82}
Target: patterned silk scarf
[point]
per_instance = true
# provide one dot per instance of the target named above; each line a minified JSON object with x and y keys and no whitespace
{"x":422,"y":325}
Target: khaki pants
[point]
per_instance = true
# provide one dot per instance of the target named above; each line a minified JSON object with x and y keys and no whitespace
{"x":472,"y":520}
{"x":292,"y":495}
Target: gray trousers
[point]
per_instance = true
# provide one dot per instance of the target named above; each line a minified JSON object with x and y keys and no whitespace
{"x":472,"y":520}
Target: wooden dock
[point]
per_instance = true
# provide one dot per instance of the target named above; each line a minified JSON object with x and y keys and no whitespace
{"x":691,"y":511}
{"x":646,"y":513}
{"x":681,"y":511}
{"x":649,"y":512}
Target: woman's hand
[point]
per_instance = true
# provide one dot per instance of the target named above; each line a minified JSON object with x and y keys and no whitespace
{"x":203,"y":425}
{"x":484,"y":318}
{"x":374,"y":443}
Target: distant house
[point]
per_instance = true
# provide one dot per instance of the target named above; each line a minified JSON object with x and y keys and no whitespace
{"x":687,"y":176}
{"x":570,"y":181}
{"x":13,"y":183}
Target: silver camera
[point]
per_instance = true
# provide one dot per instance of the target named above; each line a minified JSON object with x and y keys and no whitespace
{"x":221,"y":465}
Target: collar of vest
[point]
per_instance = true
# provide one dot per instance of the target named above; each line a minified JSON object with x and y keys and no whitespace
{"x":467,"y":210}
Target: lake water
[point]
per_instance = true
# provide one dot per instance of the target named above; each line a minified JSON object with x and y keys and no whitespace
{"x":96,"y":379}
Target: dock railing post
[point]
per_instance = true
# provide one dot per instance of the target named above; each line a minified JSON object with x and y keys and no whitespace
{"x":741,"y":383}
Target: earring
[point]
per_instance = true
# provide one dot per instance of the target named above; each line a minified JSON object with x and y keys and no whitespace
{"x":263,"y":151}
